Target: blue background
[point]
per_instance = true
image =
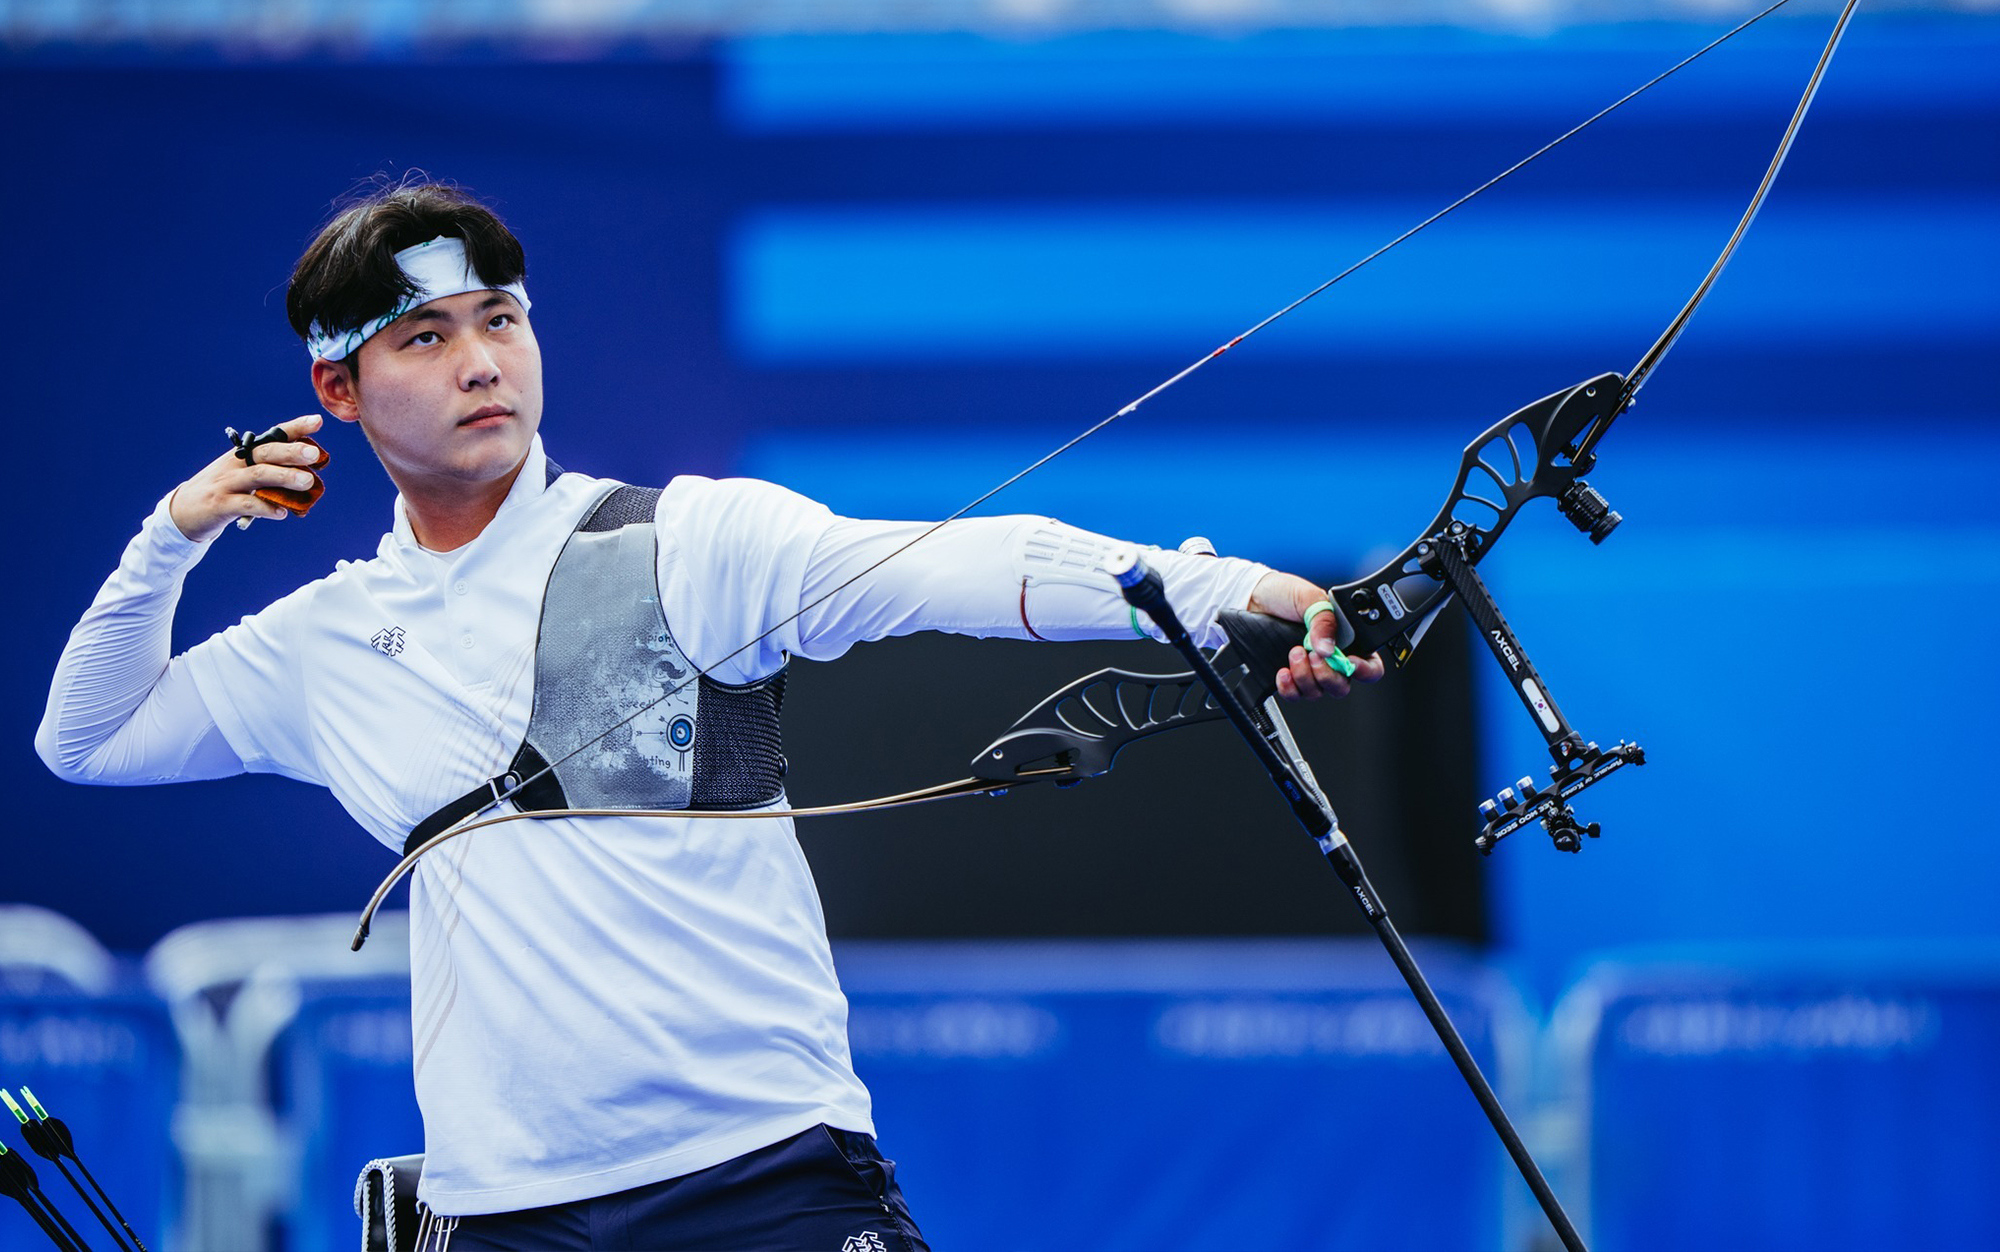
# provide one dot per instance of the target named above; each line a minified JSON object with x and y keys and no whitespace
{"x":889,"y":270}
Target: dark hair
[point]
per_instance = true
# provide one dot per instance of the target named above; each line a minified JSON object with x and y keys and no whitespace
{"x":348,"y":274}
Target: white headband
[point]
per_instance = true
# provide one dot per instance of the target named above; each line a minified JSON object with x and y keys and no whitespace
{"x":438,"y":269}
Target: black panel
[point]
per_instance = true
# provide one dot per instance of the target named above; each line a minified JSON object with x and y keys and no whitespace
{"x":1184,"y":837}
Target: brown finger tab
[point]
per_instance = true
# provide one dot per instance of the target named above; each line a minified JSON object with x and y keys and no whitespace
{"x":299,"y":501}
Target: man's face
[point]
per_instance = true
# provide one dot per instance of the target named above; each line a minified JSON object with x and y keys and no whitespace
{"x":450,"y":394}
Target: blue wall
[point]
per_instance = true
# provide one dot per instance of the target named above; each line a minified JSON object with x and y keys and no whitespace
{"x":889,"y":270}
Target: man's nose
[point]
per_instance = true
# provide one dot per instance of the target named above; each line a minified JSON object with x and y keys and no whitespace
{"x":478,"y":366}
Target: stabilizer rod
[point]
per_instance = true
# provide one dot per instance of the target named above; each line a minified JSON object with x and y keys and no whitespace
{"x":1272,"y":745}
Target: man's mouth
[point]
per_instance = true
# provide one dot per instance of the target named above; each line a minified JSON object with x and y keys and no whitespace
{"x":488,"y":416}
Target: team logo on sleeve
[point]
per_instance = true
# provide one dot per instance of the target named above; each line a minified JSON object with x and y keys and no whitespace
{"x":388,"y":641}
{"x":866,"y":1241}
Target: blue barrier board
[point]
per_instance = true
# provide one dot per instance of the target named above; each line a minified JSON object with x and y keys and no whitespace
{"x":1794,"y":1110}
{"x":343,"y":1069}
{"x":1222,"y":1100}
{"x":109,"y":1069}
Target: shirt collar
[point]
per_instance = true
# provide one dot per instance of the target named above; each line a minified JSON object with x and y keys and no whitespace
{"x":528,"y":485}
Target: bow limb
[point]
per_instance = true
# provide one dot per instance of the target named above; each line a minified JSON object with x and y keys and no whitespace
{"x":943,"y":791}
{"x":1635,"y":378}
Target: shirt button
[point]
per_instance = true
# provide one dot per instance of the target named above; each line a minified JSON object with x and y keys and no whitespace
{"x":466,"y":642}
{"x":459,"y":586}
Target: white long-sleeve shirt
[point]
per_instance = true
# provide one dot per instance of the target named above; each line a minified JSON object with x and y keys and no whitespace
{"x":598,"y":1003}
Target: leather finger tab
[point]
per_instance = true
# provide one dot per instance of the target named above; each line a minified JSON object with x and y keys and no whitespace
{"x":297,"y":503}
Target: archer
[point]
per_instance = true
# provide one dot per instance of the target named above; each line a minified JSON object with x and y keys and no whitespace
{"x":570,"y":642}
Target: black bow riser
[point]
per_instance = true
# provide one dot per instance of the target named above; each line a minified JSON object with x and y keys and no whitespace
{"x":1542,"y":450}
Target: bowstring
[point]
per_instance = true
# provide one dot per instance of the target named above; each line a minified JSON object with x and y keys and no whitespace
{"x":1129,"y":408}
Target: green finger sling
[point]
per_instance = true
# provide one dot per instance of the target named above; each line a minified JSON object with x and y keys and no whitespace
{"x":1338,"y":662}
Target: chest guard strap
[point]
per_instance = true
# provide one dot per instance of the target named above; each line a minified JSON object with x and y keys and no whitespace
{"x":604,"y":654}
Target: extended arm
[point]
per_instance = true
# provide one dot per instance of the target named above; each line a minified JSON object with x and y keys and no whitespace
{"x":994,"y":577}
{"x":1031,"y":577}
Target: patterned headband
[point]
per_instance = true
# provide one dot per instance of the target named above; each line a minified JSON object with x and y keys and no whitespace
{"x":438,"y":268}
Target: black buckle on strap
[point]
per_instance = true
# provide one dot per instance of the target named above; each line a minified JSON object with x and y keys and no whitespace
{"x":529,"y":784}
{"x":492,"y":791}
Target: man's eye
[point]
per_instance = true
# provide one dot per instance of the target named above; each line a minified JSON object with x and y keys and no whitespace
{"x":500,"y":321}
{"x":424,"y":337}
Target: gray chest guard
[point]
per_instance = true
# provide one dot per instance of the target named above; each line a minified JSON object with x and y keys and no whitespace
{"x":604,"y":654}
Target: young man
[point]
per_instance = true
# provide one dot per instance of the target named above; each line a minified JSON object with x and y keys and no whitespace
{"x":682,"y":1079}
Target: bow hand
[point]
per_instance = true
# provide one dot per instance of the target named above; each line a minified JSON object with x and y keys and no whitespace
{"x":1271,"y":641}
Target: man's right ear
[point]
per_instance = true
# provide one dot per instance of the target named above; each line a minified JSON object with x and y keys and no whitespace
{"x":334,"y":381}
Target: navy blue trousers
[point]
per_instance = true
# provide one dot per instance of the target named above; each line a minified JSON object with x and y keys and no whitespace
{"x":823,"y":1190}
